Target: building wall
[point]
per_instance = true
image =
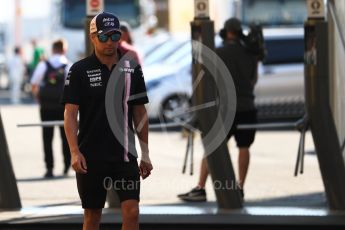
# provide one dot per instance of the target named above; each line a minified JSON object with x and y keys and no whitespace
{"x":181,"y":13}
{"x":337,"y":70}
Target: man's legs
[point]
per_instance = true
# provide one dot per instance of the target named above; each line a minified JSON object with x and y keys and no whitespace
{"x":48,"y":133}
{"x":65,"y":151}
{"x":203,"y":173}
{"x":244,"y":139}
{"x":92,"y":219}
{"x":130,"y":214}
{"x":198,"y":193}
{"x":243,"y":164}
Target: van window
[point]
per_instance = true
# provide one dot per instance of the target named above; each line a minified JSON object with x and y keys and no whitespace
{"x":271,"y":13}
{"x":74,"y":12}
{"x":284,"y":50}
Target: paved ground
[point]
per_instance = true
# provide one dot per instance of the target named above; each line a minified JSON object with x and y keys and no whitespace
{"x":270,"y":175}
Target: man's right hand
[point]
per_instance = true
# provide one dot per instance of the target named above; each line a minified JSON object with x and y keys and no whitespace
{"x":79,"y":163}
{"x":35,"y":92}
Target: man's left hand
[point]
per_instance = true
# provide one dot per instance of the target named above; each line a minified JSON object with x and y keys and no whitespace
{"x":145,"y":169}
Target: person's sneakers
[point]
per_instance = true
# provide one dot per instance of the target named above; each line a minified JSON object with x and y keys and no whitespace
{"x":49,"y":174}
{"x":196,"y":194}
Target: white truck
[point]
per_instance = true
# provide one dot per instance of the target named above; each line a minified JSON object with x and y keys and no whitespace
{"x":69,"y":22}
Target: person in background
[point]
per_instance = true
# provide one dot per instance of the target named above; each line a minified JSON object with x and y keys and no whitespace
{"x":16,"y":71}
{"x":47,"y":86}
{"x":37,"y":56}
{"x":242,"y":65}
{"x":126,"y":42}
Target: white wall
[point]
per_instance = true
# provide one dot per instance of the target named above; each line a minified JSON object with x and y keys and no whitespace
{"x":337,"y":68}
{"x":181,"y":13}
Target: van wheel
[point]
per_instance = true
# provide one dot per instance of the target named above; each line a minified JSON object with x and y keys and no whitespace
{"x":175,"y":109}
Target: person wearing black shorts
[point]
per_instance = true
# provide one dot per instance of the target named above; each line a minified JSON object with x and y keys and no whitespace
{"x":103,"y":160}
{"x":242,"y":65}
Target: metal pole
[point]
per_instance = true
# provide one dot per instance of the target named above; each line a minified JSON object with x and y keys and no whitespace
{"x":320,"y":115}
{"x":219,"y":162}
{"x":88,"y":45}
{"x":9,"y":196}
{"x":18,"y":23}
{"x":61,"y":123}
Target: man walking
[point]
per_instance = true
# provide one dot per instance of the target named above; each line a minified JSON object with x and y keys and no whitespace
{"x":47,"y":86}
{"x":98,"y":157}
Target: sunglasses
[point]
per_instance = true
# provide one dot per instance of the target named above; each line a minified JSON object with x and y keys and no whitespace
{"x":104,"y":37}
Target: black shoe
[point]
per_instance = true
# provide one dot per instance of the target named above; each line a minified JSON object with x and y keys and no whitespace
{"x":49,"y":174}
{"x":196,"y":194}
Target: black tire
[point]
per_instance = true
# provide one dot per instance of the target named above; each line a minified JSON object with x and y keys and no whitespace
{"x":280,"y":112}
{"x":176,"y":104}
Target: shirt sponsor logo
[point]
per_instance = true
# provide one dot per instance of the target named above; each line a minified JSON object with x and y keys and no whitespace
{"x":97,"y":84}
{"x":126,"y":70}
{"x":94,"y":79}
{"x":94,"y":75}
{"x":68,"y":78}
{"x":92,"y":71}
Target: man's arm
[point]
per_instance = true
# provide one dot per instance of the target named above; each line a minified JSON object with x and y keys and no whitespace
{"x":141,"y":124}
{"x":256,"y":74}
{"x":71,"y":129}
{"x":37,"y":77}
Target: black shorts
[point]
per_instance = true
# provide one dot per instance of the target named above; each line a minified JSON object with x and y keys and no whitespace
{"x":123,"y":177}
{"x":244,"y":138}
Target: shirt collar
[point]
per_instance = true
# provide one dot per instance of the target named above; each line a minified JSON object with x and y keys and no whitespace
{"x":96,"y":60}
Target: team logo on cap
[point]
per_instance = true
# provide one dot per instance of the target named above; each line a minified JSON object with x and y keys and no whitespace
{"x":101,"y":22}
{"x":109,"y":22}
{"x":108,"y":19}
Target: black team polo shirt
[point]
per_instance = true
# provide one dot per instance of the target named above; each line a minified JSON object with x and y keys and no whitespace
{"x":86,"y":86}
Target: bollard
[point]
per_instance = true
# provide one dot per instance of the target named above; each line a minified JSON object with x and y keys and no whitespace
{"x":9,"y":196}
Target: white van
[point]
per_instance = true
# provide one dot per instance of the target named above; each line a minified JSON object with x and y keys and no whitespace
{"x":280,"y":88}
